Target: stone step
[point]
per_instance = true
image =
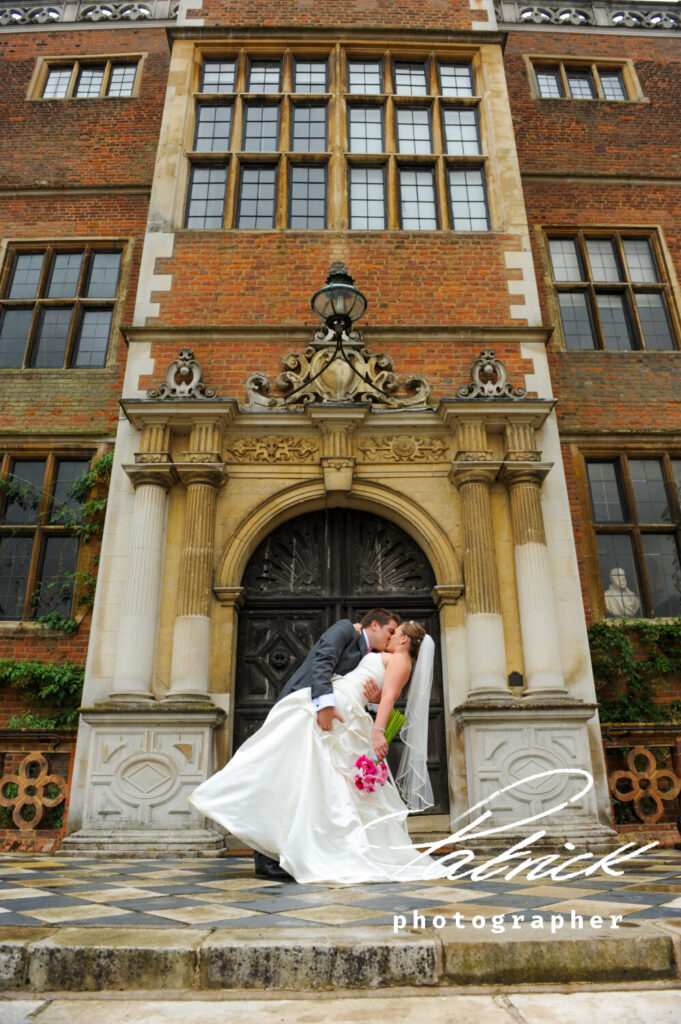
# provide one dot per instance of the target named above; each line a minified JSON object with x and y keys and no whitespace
{"x":81,"y":959}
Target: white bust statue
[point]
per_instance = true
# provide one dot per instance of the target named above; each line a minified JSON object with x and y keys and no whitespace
{"x":620,"y":601}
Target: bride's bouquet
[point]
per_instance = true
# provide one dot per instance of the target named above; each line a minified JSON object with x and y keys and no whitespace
{"x":370,"y":772}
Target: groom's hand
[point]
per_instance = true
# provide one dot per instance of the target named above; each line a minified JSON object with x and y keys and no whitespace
{"x":372,"y":692}
{"x":325,"y":718}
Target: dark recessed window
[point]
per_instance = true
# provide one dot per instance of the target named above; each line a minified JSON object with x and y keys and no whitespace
{"x":307,"y":199}
{"x":636,"y":518}
{"x":57,"y":308}
{"x":365,"y":129}
{"x":417,"y":200}
{"x":83,"y":80}
{"x":261,"y":127}
{"x":367,"y":198}
{"x":38,"y":548}
{"x":257,"y":197}
{"x":561,"y":81}
{"x":611,"y":292}
{"x":206,"y":199}
{"x":309,"y":76}
{"x":308,"y":129}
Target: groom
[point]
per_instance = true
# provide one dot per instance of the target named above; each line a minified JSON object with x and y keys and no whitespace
{"x":337,"y":652}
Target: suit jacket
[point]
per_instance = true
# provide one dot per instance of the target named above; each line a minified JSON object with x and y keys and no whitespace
{"x":338,"y":650}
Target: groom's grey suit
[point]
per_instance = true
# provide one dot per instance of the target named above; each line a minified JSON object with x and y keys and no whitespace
{"x":338,"y":650}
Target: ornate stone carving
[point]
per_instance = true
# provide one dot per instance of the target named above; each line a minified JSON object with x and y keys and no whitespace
{"x":489,"y":379}
{"x":604,"y":13}
{"x":335,"y":370}
{"x":49,"y":14}
{"x":184,"y":379}
{"x":403,"y":448}
{"x":32,"y":781}
{"x":273,"y":448}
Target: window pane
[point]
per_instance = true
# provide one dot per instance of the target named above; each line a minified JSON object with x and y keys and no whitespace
{"x":206,"y":205}
{"x":64,"y":506}
{"x":612,"y":85}
{"x":261,"y":128}
{"x":604,"y":263}
{"x":218,"y":76}
{"x":417,"y":200}
{"x":576,"y":320}
{"x":581,"y":85}
{"x":55,"y":587}
{"x":93,"y":338}
{"x":614,"y":323}
{"x":53,"y":334}
{"x":364,"y":76}
{"x":121,"y":80}
{"x":461,"y":131}
{"x":413,"y":130}
{"x":307,"y":197}
{"x":309,"y":129}
{"x":64,"y":277}
{"x":410,"y":79}
{"x":367,"y":198}
{"x":565,"y":260}
{"x":456,"y":80}
{"x":639,"y":257}
{"x":664,"y":573}
{"x":654,"y":321}
{"x":264,"y":76}
{"x":676,"y":472}
{"x":14,"y":329}
{"x":257,"y":197}
{"x":213,"y":126}
{"x":468,"y":201}
{"x":57,"y":84}
{"x":649,"y":490}
{"x":620,"y":579}
{"x":104,"y":270}
{"x":365,"y":128}
{"x":26,"y":275}
{"x":89,"y":83}
{"x":310,"y":76}
{"x":28,"y":477}
{"x":606,"y":500}
{"x":549,"y":83}
{"x":15,"y":557}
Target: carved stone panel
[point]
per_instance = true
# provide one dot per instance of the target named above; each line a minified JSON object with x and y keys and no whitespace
{"x":404,"y":448}
{"x":272,"y":449}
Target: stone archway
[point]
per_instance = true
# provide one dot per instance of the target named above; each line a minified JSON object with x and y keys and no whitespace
{"x":310,"y":571}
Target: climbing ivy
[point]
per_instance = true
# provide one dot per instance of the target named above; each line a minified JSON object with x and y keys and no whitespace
{"x":633,"y":663}
{"x":57,"y":686}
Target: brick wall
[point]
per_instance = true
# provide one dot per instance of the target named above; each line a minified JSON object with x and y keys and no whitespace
{"x":371,"y":14}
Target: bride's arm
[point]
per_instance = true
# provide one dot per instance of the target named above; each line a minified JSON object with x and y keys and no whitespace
{"x":396,"y":675}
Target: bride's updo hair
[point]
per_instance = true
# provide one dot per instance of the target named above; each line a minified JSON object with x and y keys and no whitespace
{"x":416,"y":633}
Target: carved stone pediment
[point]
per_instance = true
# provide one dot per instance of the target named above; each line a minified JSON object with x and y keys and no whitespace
{"x":334,"y":370}
{"x":184,"y":379}
{"x":489,"y":379}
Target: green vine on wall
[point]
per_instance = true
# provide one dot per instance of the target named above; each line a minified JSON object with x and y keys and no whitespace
{"x":633,"y":663}
{"x":56,"y":686}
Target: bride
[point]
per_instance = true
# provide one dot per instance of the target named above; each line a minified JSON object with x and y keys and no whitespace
{"x":289,"y":792}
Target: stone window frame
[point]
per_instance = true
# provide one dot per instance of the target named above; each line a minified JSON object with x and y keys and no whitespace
{"x":80,"y":302}
{"x":77,"y":62}
{"x":562,"y":65}
{"x":630,"y":526}
{"x":41,"y":529}
{"x":337,"y":156}
{"x":666,"y":286}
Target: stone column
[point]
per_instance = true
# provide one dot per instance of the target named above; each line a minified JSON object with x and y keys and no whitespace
{"x":152,"y":476}
{"x":536,"y":600}
{"x":202,"y":473}
{"x":473,"y":472}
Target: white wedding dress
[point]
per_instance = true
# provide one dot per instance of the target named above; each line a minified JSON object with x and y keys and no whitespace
{"x":288,"y":792}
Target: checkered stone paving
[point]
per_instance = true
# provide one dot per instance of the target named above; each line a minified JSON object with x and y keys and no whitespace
{"x":223,"y":892}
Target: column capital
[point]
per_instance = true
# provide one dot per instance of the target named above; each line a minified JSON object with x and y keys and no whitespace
{"x":197,"y":471}
{"x":515,"y":473}
{"x":465,"y":471}
{"x":446,"y":594}
{"x":230,"y":597}
{"x":158,"y":474}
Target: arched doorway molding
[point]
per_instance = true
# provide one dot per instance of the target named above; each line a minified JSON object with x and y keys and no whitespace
{"x":311,"y":496}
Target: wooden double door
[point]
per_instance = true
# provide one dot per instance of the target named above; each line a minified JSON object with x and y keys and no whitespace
{"x":309,"y":572}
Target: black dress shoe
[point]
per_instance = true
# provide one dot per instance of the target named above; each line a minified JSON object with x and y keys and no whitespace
{"x":265,"y":867}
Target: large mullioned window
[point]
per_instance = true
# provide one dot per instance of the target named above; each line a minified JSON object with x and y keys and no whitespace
{"x":342,"y":141}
